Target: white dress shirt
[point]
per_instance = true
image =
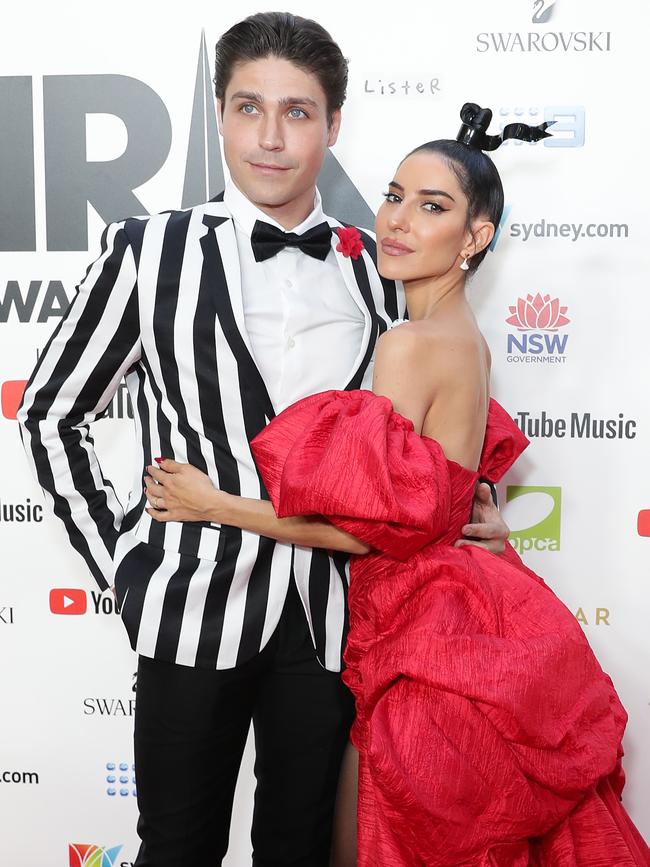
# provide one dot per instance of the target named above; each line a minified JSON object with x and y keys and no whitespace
{"x":304,"y":326}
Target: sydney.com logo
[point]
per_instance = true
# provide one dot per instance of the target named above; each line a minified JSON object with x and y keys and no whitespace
{"x":544,"y":229}
{"x":537,"y":319}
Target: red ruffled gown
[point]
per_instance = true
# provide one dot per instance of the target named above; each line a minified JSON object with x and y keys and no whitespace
{"x":488,"y":734}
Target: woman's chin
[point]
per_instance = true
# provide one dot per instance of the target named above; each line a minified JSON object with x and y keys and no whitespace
{"x":390,"y":267}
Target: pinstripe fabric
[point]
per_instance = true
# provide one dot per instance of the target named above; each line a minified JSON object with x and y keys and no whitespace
{"x":161,"y":307}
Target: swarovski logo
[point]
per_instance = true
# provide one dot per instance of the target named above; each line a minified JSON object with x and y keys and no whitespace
{"x":579,"y":41}
{"x":541,"y":40}
{"x":542,"y":11}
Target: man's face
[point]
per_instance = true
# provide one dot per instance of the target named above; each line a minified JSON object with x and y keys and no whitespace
{"x":275,"y":132}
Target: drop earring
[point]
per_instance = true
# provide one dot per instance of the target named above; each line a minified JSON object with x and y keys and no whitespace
{"x":464,"y":266}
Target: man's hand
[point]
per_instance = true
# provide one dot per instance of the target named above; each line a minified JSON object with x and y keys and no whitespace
{"x":488,"y":529}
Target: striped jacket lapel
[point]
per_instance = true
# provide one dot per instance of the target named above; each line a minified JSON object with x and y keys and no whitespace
{"x":391,"y":301}
{"x":221,"y":266}
{"x":380,"y":300}
{"x":356,"y":280}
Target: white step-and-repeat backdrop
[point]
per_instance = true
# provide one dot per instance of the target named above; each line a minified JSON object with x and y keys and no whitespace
{"x":106,"y":111}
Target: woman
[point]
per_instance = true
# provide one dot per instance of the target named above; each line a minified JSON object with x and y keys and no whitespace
{"x":486,"y":731}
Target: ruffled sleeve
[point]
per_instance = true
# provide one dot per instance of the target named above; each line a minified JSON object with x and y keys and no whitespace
{"x":503,"y":444}
{"x":346,"y":455}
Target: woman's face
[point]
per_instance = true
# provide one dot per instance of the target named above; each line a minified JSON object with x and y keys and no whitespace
{"x":422,"y":226}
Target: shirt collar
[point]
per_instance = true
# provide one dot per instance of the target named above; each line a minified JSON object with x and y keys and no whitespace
{"x":245,"y":213}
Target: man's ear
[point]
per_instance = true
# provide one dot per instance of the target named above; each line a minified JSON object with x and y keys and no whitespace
{"x":334,"y":127}
{"x":219,"y":116}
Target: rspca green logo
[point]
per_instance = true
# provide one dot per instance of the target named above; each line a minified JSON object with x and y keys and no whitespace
{"x":534,"y":517}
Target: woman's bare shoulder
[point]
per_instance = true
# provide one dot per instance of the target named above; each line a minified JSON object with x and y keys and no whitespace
{"x":433,"y":342}
{"x":404,"y":340}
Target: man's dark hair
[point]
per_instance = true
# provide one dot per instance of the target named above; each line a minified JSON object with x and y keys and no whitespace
{"x":301,"y":41}
{"x":479,"y":180}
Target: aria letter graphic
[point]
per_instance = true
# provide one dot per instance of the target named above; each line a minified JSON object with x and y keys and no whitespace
{"x":534,"y":515}
{"x":111,"y":187}
{"x":89,"y":855}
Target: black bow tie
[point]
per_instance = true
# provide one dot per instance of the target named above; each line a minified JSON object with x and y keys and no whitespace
{"x":267,"y":240}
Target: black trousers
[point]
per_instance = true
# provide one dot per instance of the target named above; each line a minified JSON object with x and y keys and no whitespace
{"x":191,"y":726}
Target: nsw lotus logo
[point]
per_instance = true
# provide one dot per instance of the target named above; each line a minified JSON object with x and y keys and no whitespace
{"x":537,"y":319}
{"x":538,"y":313}
{"x":89,"y":855}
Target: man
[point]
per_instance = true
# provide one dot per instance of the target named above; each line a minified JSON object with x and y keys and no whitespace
{"x":217,"y":319}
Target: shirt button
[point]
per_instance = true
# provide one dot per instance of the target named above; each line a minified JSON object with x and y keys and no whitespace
{"x":291,"y":343}
{"x":288,"y":284}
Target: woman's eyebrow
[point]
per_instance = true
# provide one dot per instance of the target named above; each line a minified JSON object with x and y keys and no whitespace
{"x":423,"y":192}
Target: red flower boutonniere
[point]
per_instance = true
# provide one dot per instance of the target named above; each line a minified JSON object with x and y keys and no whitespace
{"x":350,"y":243}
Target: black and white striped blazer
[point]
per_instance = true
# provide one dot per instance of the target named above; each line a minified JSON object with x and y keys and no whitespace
{"x":162,"y":308}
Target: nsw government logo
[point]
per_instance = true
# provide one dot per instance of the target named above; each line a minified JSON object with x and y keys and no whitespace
{"x":534,"y":514}
{"x":90,"y":855}
{"x":537,"y":320}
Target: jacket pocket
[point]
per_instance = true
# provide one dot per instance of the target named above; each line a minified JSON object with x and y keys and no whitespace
{"x":199,"y":539}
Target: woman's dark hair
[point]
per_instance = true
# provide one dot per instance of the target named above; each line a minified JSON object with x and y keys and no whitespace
{"x":479,"y":180}
{"x":301,"y":41}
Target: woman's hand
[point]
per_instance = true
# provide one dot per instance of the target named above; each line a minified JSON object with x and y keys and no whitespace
{"x":488,"y":529}
{"x":179,"y":492}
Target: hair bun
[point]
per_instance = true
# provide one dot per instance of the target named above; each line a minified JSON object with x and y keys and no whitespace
{"x":476,"y":117}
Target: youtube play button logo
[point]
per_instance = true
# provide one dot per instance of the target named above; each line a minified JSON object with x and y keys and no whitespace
{"x":66,"y":600}
{"x":11,"y":394}
{"x":643,"y":522}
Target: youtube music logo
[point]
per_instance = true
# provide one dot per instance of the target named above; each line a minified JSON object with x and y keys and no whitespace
{"x":66,"y":600}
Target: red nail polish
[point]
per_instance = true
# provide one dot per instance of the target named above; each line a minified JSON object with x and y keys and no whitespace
{"x":159,"y":460}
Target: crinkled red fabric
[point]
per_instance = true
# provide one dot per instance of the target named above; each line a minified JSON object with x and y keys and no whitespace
{"x":488,"y":734}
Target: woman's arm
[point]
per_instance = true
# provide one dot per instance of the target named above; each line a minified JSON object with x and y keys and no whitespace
{"x":180,"y":492}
